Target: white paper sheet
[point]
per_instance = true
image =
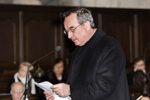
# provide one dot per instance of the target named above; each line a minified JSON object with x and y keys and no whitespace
{"x":46,"y":87}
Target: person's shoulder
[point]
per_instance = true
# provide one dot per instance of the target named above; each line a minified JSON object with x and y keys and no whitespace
{"x":108,"y":41}
{"x":103,"y":37}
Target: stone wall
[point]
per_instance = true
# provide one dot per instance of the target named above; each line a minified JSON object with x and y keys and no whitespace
{"x":137,"y":4}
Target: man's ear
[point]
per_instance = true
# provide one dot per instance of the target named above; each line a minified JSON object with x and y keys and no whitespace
{"x":87,"y":25}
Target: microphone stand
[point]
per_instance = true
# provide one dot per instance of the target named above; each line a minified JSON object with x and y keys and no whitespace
{"x":42,"y":57}
{"x":26,"y":85}
{"x":27,"y":74}
{"x":25,"y":96}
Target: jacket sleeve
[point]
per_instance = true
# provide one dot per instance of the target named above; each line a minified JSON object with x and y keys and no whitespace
{"x":108,"y":72}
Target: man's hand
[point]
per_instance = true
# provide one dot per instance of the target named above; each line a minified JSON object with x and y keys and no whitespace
{"x":49,"y":96}
{"x":145,"y":98}
{"x":61,"y":89}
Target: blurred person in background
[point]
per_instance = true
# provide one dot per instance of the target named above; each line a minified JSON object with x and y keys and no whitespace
{"x":138,"y":64}
{"x":20,"y":76}
{"x":141,"y":86}
{"x":17,"y":91}
{"x":57,"y":75}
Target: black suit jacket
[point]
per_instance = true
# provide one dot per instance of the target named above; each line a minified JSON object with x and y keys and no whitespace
{"x":97,"y":70}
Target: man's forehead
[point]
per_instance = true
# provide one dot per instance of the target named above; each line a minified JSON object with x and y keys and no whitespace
{"x":59,"y":64}
{"x":17,"y":87}
{"x":71,"y":20}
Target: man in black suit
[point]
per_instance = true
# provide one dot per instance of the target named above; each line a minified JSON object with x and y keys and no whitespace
{"x":97,"y":70}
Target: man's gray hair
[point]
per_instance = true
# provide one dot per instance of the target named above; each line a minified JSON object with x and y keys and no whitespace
{"x":83,"y":15}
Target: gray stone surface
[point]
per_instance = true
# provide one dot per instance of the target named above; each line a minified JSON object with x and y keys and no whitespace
{"x":87,"y":3}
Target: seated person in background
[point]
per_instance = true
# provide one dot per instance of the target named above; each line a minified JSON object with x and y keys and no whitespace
{"x":138,"y":64}
{"x":17,"y":90}
{"x":141,"y":86}
{"x":20,"y":76}
{"x":57,"y":74}
{"x":139,"y":71}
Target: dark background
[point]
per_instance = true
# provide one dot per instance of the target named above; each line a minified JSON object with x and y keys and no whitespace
{"x":29,"y":32}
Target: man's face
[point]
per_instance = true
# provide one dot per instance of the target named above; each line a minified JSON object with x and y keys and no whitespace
{"x":76,"y":32}
{"x":140,"y":65}
{"x":17,"y":92}
{"x":59,"y":68}
{"x":23,"y":71}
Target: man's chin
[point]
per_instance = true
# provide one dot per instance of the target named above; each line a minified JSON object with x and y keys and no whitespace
{"x":77,"y":44}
